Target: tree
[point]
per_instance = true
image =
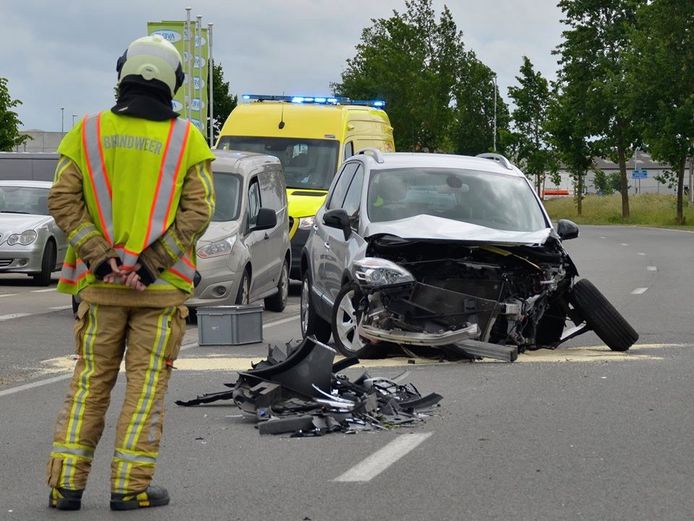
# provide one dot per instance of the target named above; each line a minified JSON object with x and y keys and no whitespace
{"x":224,"y":102}
{"x":9,"y":121}
{"x":530,"y":136}
{"x":412,"y":62}
{"x":660,"y":68}
{"x":474,"y":113}
{"x":592,"y":59}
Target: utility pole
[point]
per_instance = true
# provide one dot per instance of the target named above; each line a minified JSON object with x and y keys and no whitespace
{"x":495,"y":89}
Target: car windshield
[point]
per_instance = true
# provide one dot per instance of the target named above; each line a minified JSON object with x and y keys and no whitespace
{"x":227,"y":189}
{"x":24,"y":199}
{"x":496,"y":201}
{"x":307,"y":163}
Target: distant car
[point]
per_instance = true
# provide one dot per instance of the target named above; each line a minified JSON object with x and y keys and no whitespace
{"x":438,"y":250}
{"x":30,"y":241}
{"x":245,"y":255}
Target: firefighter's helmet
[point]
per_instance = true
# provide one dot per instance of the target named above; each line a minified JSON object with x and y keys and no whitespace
{"x":152,"y":58}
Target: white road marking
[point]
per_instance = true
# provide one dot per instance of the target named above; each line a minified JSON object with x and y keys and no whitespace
{"x":60,"y":308}
{"x":383,"y":458}
{"x":69,"y":363}
{"x":641,"y":253}
{"x":43,"y":290}
{"x":652,"y":268}
{"x":13,"y":316}
{"x":603,"y":237}
{"x":639,"y":291}
{"x":623,"y":244}
{"x":8,"y":295}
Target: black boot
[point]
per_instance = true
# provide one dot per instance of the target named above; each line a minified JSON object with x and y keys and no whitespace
{"x":65,"y":499}
{"x":151,"y":497}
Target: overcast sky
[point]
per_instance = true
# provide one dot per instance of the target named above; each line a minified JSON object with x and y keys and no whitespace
{"x":63,"y":54}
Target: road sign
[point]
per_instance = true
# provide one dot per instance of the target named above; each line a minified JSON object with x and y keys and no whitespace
{"x":639,"y":174}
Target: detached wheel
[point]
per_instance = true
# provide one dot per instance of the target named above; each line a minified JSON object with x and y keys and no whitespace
{"x":278,"y":301}
{"x":243,"y":294}
{"x":311,"y":323}
{"x":344,"y":324}
{"x":602,"y":317}
{"x":47,"y":265}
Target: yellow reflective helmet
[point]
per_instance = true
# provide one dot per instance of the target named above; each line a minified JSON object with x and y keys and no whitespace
{"x":152,"y":58}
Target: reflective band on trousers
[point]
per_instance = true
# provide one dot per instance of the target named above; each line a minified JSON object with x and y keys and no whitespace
{"x":60,"y":449}
{"x":141,"y":459}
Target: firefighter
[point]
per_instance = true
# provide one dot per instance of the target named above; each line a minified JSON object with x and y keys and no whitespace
{"x":133,"y":192}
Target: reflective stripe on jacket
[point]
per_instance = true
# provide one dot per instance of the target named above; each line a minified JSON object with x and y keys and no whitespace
{"x":133,"y":172}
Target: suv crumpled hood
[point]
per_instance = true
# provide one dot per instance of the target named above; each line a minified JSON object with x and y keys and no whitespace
{"x":429,"y":227}
{"x":217,"y":231}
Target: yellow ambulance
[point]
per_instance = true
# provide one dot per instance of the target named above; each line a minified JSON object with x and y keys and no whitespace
{"x":311,"y":136}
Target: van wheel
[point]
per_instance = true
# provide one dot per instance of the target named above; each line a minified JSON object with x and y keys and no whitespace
{"x":244,"y":292}
{"x":311,"y":323}
{"x":278,"y":301}
{"x":47,"y":265}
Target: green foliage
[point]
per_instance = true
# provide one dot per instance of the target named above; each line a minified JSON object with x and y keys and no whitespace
{"x":439,"y":97}
{"x":224,"y":102}
{"x":9,"y":121}
{"x":647,"y":209}
{"x":601,"y":183}
{"x":592,"y":63}
{"x":530,"y":137}
{"x":660,"y":73}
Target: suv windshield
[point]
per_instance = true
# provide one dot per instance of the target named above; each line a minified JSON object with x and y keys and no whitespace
{"x":307,"y":163}
{"x":23,"y":199}
{"x":497,"y":201}
{"x":227,"y":189}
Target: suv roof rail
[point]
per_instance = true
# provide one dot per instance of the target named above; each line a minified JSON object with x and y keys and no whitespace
{"x":498,"y":158}
{"x":373,"y":152}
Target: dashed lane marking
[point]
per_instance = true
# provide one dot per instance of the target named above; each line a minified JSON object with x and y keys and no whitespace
{"x":624,"y":244}
{"x":652,"y":268}
{"x":641,"y":253}
{"x":43,"y":290}
{"x":639,"y":291}
{"x":383,"y":458}
{"x":12,"y":316}
{"x":8,"y":295}
{"x":60,"y":308}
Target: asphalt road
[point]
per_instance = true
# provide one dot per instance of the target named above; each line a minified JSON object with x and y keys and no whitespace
{"x":579,"y":433}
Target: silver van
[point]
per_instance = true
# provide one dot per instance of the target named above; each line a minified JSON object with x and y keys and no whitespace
{"x":244,"y":255}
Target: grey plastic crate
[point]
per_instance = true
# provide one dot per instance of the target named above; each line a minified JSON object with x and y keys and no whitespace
{"x":230,"y":325}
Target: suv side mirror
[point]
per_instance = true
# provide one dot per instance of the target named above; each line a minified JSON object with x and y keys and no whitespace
{"x":339,"y":219}
{"x":567,"y":229}
{"x":267,"y":218}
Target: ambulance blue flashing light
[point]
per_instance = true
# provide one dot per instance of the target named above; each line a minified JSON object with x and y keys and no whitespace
{"x":316,"y":100}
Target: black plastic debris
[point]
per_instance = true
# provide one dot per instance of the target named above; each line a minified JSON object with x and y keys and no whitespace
{"x":298,"y":390}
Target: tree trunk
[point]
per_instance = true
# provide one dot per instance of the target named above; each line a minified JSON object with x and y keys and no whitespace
{"x":624,"y":185}
{"x":680,"y":190}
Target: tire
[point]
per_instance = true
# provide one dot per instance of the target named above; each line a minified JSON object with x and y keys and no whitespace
{"x":244,"y":291}
{"x":344,"y":324}
{"x":602,"y":317}
{"x":47,"y":265}
{"x":311,"y":323}
{"x":278,"y":301}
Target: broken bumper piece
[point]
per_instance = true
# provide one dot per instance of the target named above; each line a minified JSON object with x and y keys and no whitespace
{"x":418,"y":339}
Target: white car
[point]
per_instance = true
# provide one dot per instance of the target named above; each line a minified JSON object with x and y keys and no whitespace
{"x":447,"y":252}
{"x":30,"y":241}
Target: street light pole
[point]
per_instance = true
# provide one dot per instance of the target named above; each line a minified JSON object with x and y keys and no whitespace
{"x":62,"y":120}
{"x":73,"y":119}
{"x":495,"y":89}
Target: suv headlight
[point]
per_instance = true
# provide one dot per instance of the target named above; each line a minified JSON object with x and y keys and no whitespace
{"x":217,"y":249}
{"x":375,"y":272}
{"x":306,"y":223}
{"x":24,"y":238}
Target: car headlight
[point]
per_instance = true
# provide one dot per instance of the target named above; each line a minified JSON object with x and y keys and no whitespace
{"x":372,"y":271}
{"x":306,"y":223}
{"x":217,"y":249}
{"x":24,"y":238}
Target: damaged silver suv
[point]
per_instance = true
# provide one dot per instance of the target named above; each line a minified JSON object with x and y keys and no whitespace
{"x":445,"y":252}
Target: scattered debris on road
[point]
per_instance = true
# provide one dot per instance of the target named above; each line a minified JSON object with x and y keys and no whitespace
{"x":299,"y":390}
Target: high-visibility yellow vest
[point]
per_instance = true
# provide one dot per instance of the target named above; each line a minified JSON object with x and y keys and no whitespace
{"x":133,"y":171}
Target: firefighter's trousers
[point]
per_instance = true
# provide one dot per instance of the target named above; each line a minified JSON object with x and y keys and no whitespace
{"x":153,"y":338}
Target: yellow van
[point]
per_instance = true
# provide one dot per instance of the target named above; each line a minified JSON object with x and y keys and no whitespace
{"x":311,"y":136}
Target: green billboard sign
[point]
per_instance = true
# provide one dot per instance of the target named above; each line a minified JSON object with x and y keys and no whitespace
{"x":191,"y":99}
